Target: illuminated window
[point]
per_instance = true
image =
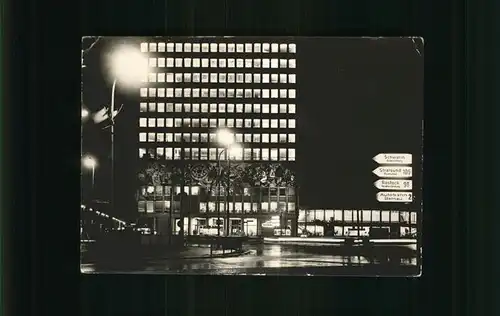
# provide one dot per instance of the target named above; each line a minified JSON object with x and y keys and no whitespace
{"x":152,"y":47}
{"x":161,"y":107}
{"x":178,"y":122}
{"x":187,"y":77}
{"x":213,"y":154}
{"x":159,"y":154}
{"x":196,"y":77}
{"x":178,"y":62}
{"x":239,"y":108}
{"x":274,"y":47}
{"x":265,"y":123}
{"x":169,"y":122}
{"x":204,"y":93}
{"x":292,"y":48}
{"x":196,"y":48}
{"x":239,"y":78}
{"x":177,"y":137}
{"x":239,"y":123}
{"x":187,"y":107}
{"x":265,"y":138}
{"x":151,"y":122}
{"x":248,"y":78}
{"x":213,"y":122}
{"x":283,"y":48}
{"x":169,"y":137}
{"x":213,"y":93}
{"x":178,"y":107}
{"x":203,"y":153}
{"x":204,"y":137}
{"x":291,"y":93}
{"x":186,"y":137}
{"x":274,"y":138}
{"x":230,"y":93}
{"x":291,"y":123}
{"x":247,"y":138}
{"x":274,"y":94}
{"x":144,"y":92}
{"x":239,"y":48}
{"x":282,"y":153}
{"x":178,"y":47}
{"x":282,"y":138}
{"x":291,"y":138}
{"x":142,"y":152}
{"x":291,"y":154}
{"x":196,"y":93}
{"x":266,"y":47}
{"x":274,"y":63}
{"x":255,"y":154}
{"x":230,"y":63}
{"x":222,"y":78}
{"x":256,"y":63}
{"x":274,"y":78}
{"x":230,"y":108}
{"x":195,"y":122}
{"x":213,"y":47}
{"x":256,"y":123}
{"x":204,"y":107}
{"x":282,"y":93}
{"x":247,"y":154}
{"x":170,"y":107}
{"x":213,"y":78}
{"x":222,"y":107}
{"x":274,"y":123}
{"x":230,"y":122}
{"x":151,"y":137}
{"x":385,"y":216}
{"x":240,"y":63}
{"x":265,"y":63}
{"x":144,"y":47}
{"x":282,"y":123}
{"x":248,"y":63}
{"x":222,"y":63}
{"x":204,"y":47}
{"x":160,"y":138}
{"x":256,"y":138}
{"x":283,"y":63}
{"x":152,"y":77}
{"x":291,"y":63}
{"x":204,"y":62}
{"x":170,"y":92}
{"x":170,"y":78}
{"x":265,"y":153}
{"x":204,"y":77}
{"x":186,"y":122}
{"x":178,"y":77}
{"x":265,"y":93}
{"x":265,"y":109}
{"x":142,"y":137}
{"x":143,"y":107}
{"x":230,"y":48}
{"x":161,"y":92}
{"x":248,"y":93}
{"x":160,"y":122}
{"x":168,"y":153}
{"x":274,"y":108}
{"x":222,"y":122}
{"x":170,"y":62}
{"x":231,"y":78}
{"x":177,"y":153}
{"x":187,"y":47}
{"x":239,"y":138}
{"x":222,"y":93}
{"x":161,"y":77}
{"x":161,"y":62}
{"x":196,"y":62}
{"x":213,"y":62}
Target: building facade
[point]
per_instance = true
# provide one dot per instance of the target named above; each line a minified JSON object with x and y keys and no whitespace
{"x":190,"y":183}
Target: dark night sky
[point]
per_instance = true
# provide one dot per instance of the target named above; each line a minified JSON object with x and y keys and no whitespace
{"x":356,"y":98}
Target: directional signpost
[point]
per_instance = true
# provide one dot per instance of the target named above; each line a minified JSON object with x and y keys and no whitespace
{"x":394,"y":184}
{"x":395,"y":171}
{"x":401,"y":197}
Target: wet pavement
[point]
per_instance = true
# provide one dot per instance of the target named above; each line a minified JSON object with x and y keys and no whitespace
{"x":279,"y":260}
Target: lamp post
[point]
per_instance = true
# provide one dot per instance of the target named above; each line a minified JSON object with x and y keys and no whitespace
{"x":225,"y":138}
{"x":128,"y":67}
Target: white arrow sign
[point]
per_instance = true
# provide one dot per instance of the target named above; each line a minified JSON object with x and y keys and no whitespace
{"x":393,"y":159}
{"x":403,"y":197}
{"x":393,"y":172}
{"x":386,"y":184}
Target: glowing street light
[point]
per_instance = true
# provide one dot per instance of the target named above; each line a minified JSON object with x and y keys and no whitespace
{"x":85,"y":113}
{"x":90,"y":162}
{"x":225,"y":137}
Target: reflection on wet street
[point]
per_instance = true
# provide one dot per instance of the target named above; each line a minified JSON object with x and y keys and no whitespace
{"x":268,"y":258}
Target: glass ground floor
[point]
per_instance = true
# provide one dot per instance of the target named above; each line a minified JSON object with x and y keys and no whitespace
{"x":339,"y":223}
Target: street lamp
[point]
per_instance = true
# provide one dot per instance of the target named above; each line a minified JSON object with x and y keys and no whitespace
{"x":128,"y":66}
{"x":226,"y":138}
{"x":90,"y":162}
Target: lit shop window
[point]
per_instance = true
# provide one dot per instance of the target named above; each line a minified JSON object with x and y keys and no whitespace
{"x":178,"y":62}
{"x":160,"y":153}
{"x":195,"y":137}
{"x":239,"y":48}
{"x":151,"y":122}
{"x":248,"y":93}
{"x":231,"y":78}
{"x":291,"y":93}
{"x":213,"y":47}
{"x":170,"y":107}
{"x":142,"y":137}
{"x":291,"y":123}
{"x":170,"y":92}
{"x":168,"y":153}
{"x":274,"y":47}
{"x":222,"y":47}
{"x":274,"y":78}
{"x":291,"y":63}
{"x":283,"y":108}
{"x":283,"y":63}
{"x":169,"y":122}
{"x":203,"y":153}
{"x":161,"y":107}
{"x":213,"y":93}
{"x":282,"y":153}
{"x":204,"y":107}
{"x":177,"y":137}
{"x":291,"y":108}
{"x":239,"y":78}
{"x":239,"y":123}
{"x":291,"y":138}
{"x":204,"y":77}
{"x":170,"y":62}
{"x":265,"y":154}
{"x":170,"y":77}
{"x":291,"y":154}
{"x":178,"y":77}
{"x":230,"y":63}
{"x":221,"y":122}
{"x":152,"y":47}
{"x":291,"y":78}
{"x":230,"y":123}
{"x":161,"y":77}
{"x":213,"y":123}
{"x":177,"y":153}
{"x":144,"y":47}
{"x":195,"y":122}
{"x":256,"y":78}
{"x":230,"y":48}
{"x":204,"y":93}
{"x":205,"y":62}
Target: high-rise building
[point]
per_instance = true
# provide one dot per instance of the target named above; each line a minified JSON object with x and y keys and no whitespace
{"x":197,"y":89}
